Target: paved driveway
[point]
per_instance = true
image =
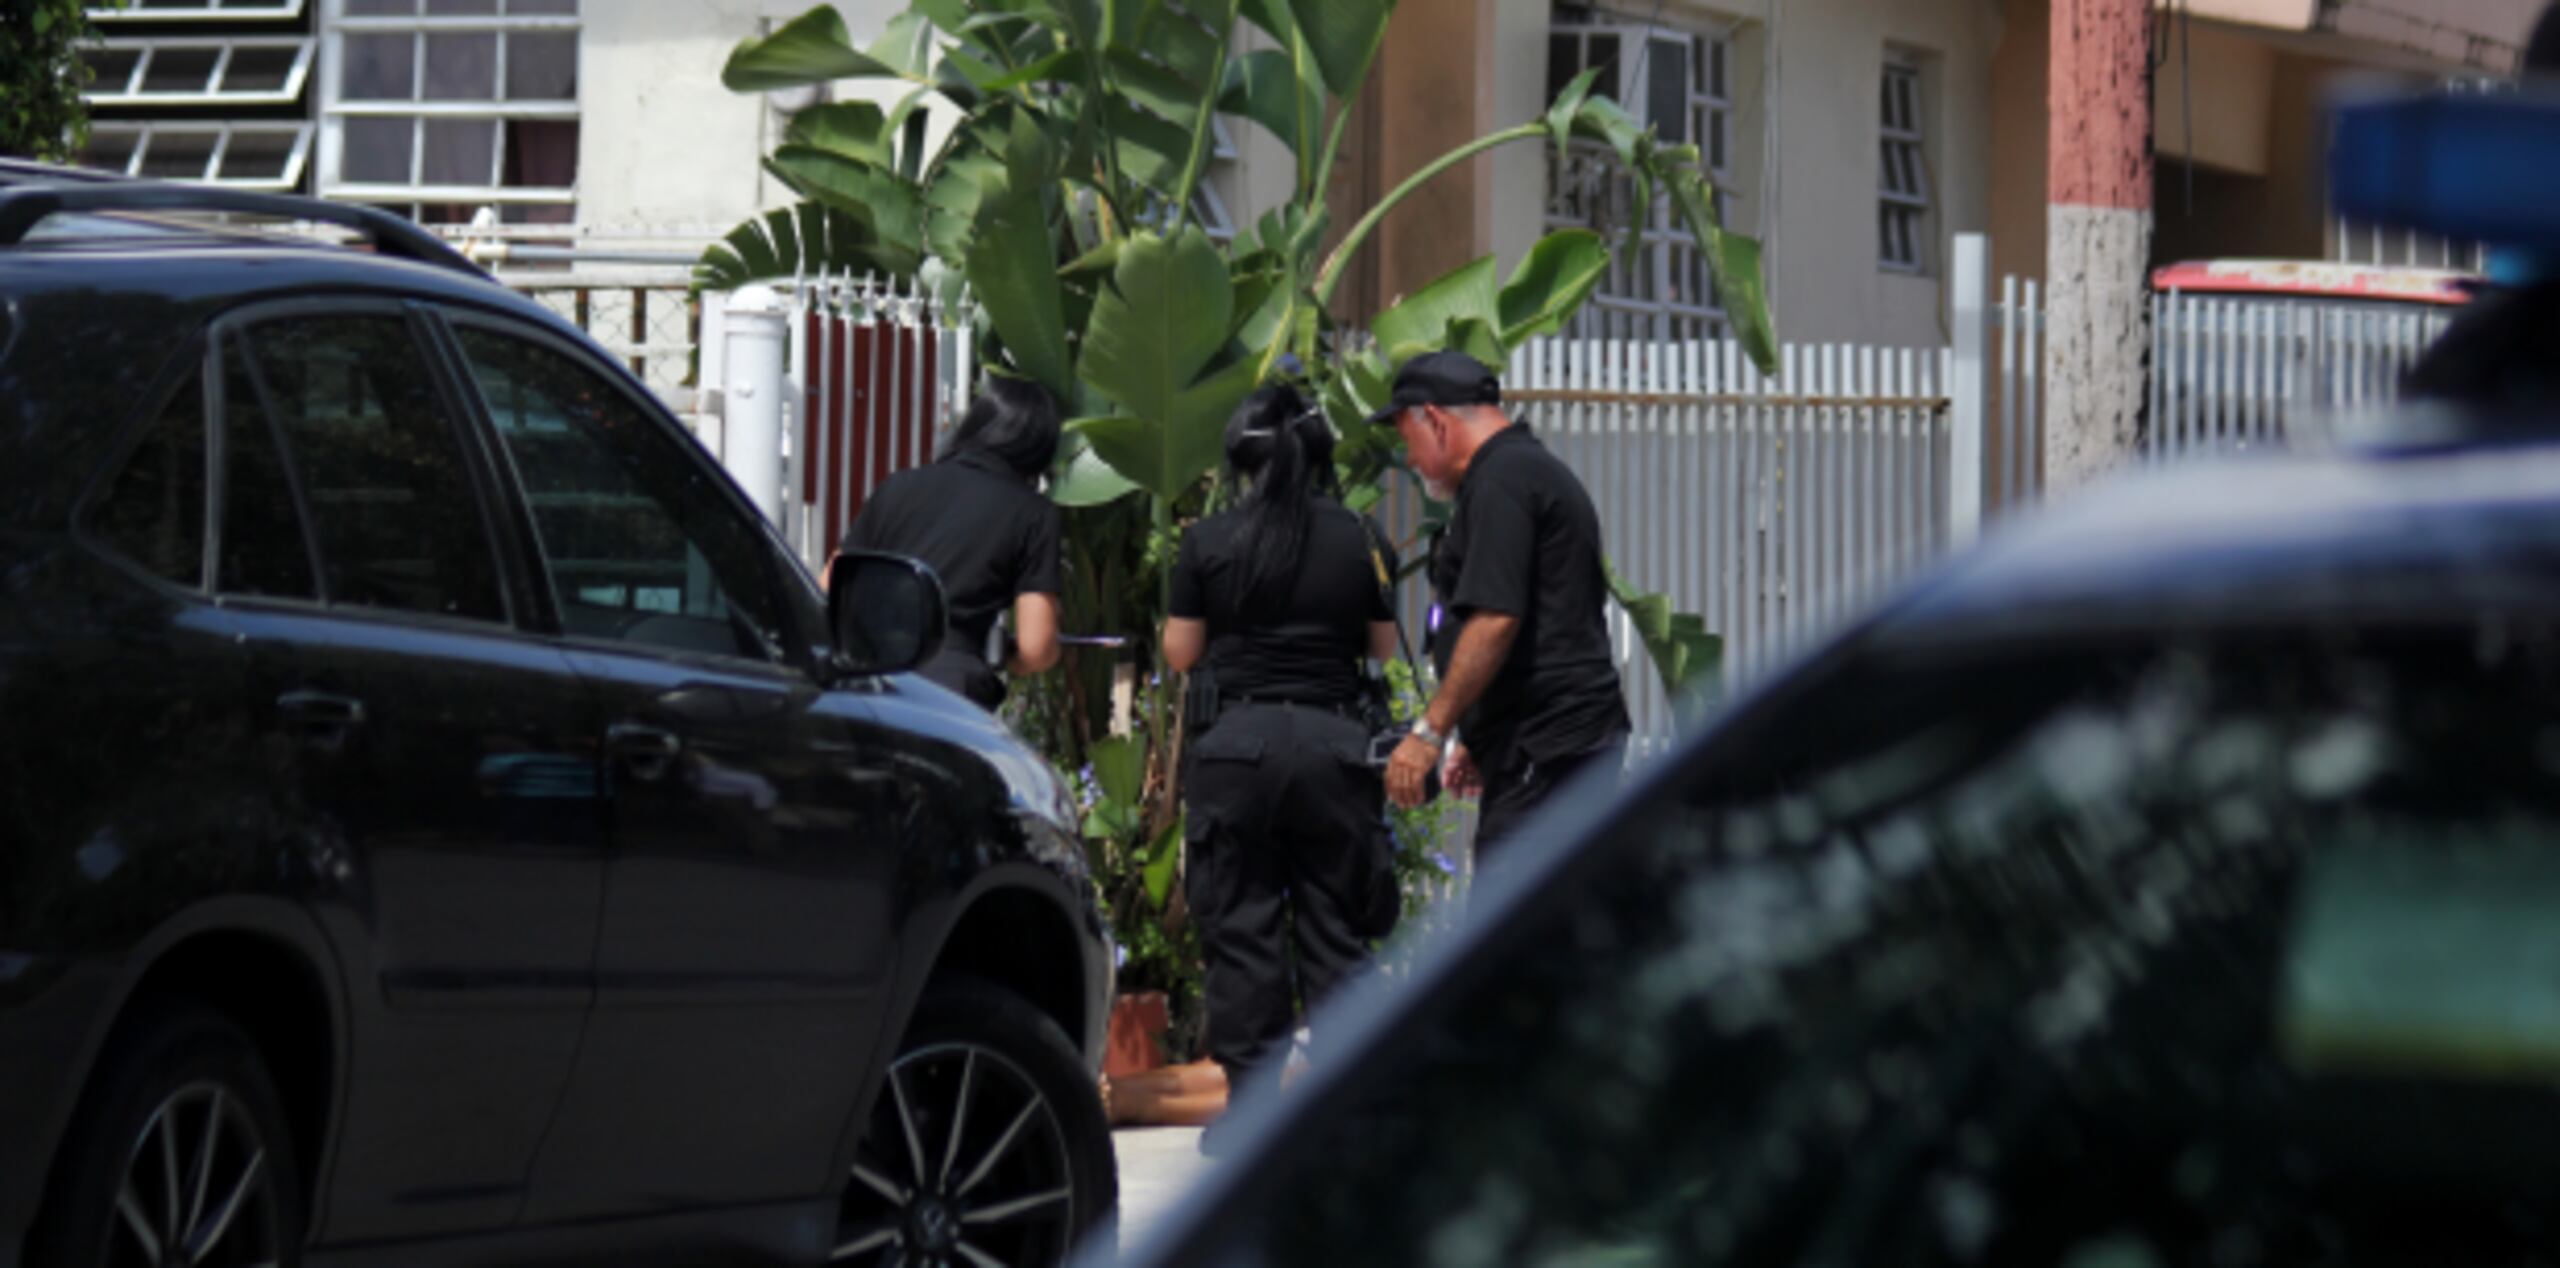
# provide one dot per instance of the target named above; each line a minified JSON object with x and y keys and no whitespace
{"x":1157,"y":1166}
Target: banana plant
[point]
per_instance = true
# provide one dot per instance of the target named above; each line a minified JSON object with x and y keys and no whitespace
{"x":1061,"y":193}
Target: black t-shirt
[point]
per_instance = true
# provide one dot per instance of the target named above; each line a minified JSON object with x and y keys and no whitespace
{"x":988,"y":535}
{"x":1524,"y":541}
{"x":1307,"y":649}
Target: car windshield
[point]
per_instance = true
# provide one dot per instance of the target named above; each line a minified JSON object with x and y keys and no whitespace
{"x":2223,"y":950}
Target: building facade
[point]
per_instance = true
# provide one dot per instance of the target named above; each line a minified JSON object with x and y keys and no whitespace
{"x":1853,"y":137}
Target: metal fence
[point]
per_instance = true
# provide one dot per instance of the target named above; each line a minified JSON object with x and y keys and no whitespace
{"x":1772,"y":507}
{"x":647,"y":321}
{"x":2226,"y":374}
{"x":873,"y":371}
{"x":2232,"y":374}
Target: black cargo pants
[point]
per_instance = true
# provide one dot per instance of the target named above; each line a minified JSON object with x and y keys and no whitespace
{"x":1286,"y":830}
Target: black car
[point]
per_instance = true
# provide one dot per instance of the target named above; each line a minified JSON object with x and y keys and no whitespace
{"x":2172,"y":881}
{"x":441,"y":823}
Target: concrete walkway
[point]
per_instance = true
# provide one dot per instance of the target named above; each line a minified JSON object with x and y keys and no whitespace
{"x":1158,"y":1165}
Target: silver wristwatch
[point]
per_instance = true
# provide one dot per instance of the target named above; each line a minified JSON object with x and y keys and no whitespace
{"x":1422,"y":730}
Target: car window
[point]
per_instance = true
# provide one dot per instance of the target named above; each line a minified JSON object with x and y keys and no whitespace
{"x":642,"y":548}
{"x":2127,"y":957}
{"x":153,"y":511}
{"x":380,"y":464}
{"x":263,"y":551}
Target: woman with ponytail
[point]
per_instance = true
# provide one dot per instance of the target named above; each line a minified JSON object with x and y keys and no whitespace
{"x":1275,"y":604}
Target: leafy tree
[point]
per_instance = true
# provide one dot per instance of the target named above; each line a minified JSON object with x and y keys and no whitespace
{"x":1061,"y":198}
{"x":42,"y":77}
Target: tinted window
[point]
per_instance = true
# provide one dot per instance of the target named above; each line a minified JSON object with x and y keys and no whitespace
{"x":263,"y":550}
{"x":2129,"y":958}
{"x":380,"y":465}
{"x":642,"y":547}
{"x":153,"y":513}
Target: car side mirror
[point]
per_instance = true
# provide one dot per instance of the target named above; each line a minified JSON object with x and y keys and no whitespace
{"x":886,"y":611}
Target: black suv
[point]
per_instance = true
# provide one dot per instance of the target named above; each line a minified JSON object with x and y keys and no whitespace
{"x":440,"y":822}
{"x":2173,"y":879}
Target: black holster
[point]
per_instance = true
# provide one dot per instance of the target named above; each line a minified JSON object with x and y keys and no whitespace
{"x":1199,"y":700}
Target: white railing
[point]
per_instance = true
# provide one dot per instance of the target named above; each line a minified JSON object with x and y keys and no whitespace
{"x":2232,"y":374}
{"x":2226,"y":374}
{"x":647,"y":319}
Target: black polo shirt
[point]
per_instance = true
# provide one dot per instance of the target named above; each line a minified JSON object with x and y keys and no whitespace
{"x":1524,"y":541}
{"x":985,"y":532}
{"x":1307,"y":649}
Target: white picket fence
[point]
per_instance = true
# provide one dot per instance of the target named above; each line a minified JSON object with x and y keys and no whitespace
{"x":1771,"y":507}
{"x":2230,"y":374}
{"x":2227,"y":375}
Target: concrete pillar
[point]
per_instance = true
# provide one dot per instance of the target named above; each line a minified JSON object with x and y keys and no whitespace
{"x":753,"y":333}
{"x":2098,"y":230}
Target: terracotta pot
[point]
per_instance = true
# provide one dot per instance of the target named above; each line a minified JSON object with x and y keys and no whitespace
{"x":1135,"y":1043}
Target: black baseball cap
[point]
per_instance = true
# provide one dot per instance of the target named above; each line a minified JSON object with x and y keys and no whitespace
{"x":1440,"y":378}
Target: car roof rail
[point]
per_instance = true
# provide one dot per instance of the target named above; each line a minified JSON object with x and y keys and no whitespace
{"x":22,"y":207}
{"x":16,"y":168}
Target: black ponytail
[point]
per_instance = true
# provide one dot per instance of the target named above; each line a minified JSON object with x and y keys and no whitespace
{"x":1267,"y":452}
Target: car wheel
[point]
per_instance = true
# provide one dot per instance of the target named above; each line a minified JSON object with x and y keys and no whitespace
{"x":178,"y":1155}
{"x":986,"y":1146}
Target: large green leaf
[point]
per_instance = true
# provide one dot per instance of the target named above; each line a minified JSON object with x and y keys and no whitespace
{"x":1552,"y":282}
{"x":1084,"y":479}
{"x":1477,"y":338}
{"x":1344,"y":36}
{"x":856,"y":129}
{"x":1689,"y":660}
{"x":807,"y":238}
{"x":892,"y":208}
{"x":1151,"y":149}
{"x":1165,"y":315}
{"x":960,"y":189}
{"x":1163,"y":863}
{"x":813,"y":48}
{"x":1264,"y":87}
{"x":1734,"y":262}
{"x":1421,"y":323}
{"x":1120,"y":767}
{"x":1568,"y":104}
{"x":1166,"y":457}
{"x":1013,"y":268}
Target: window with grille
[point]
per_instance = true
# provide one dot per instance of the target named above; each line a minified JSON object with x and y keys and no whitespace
{"x":1679,"y":81}
{"x":194,"y":11}
{"x":1902,"y":208}
{"x":198,"y":72}
{"x":214,"y":91}
{"x":264,"y":156}
{"x":439,"y":107}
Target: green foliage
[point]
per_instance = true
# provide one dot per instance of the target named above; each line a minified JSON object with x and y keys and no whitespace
{"x":1689,"y":659}
{"x":1061,"y":195}
{"x":42,"y":78}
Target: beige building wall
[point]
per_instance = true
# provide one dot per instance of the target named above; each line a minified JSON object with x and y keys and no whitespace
{"x":661,"y":142}
{"x":1818,"y":217}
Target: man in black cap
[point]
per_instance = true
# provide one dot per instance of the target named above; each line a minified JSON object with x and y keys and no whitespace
{"x":1526,"y":678}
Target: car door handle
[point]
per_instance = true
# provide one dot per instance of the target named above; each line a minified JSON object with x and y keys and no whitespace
{"x":646,"y":751}
{"x":323,"y":718}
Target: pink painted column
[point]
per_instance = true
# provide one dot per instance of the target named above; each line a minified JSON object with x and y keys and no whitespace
{"x":2098,"y":238}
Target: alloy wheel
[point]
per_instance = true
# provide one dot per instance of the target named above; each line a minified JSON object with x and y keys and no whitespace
{"x":964,"y":1166}
{"x":197,"y":1191}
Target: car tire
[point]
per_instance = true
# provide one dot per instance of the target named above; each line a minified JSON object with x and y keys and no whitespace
{"x":181,"y":1134}
{"x":986,"y":1143}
